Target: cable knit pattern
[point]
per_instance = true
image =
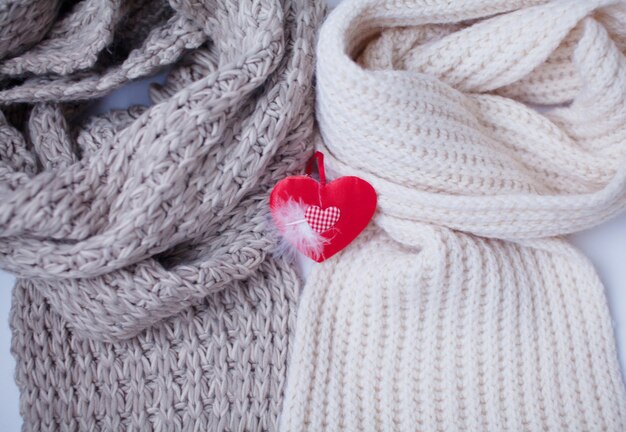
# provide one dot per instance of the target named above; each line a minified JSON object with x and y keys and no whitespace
{"x":463,"y":308}
{"x":146,"y":299}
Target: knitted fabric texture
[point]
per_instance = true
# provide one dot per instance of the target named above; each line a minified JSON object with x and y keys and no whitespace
{"x":463,"y":308}
{"x":146,"y":298}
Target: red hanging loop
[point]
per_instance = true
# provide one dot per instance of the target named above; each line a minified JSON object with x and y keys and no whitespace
{"x":319,"y":158}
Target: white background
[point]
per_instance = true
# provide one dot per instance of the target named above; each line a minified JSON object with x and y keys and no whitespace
{"x":604,"y":245}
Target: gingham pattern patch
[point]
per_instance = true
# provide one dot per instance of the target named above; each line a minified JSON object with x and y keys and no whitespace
{"x":321,"y":220}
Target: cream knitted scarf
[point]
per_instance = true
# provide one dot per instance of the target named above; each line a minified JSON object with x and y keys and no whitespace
{"x":463,"y":309}
{"x":146,"y":299}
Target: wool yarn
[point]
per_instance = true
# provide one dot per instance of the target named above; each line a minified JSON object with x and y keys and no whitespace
{"x":146,"y":297}
{"x":489,"y":129}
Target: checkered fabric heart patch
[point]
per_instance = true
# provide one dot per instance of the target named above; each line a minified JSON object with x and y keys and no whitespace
{"x":321,"y":220}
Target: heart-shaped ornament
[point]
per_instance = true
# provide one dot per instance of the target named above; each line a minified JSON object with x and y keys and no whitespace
{"x":321,"y":219}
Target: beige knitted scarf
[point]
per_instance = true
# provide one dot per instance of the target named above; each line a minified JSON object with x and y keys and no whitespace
{"x":463,"y":308}
{"x":146,"y":299}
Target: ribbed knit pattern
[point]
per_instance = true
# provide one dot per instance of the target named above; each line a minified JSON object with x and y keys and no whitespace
{"x":462,"y":308}
{"x":146,"y":297}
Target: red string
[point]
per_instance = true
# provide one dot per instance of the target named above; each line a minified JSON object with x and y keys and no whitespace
{"x":319,"y":158}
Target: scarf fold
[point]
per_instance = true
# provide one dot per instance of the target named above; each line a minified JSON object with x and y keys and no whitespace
{"x":488,"y":129}
{"x":139,"y":236}
{"x":471,"y":167}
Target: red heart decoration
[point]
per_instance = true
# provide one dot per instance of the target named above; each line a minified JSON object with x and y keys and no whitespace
{"x":353,"y":197}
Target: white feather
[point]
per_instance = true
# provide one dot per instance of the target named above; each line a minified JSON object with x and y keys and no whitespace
{"x":296,"y":233}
